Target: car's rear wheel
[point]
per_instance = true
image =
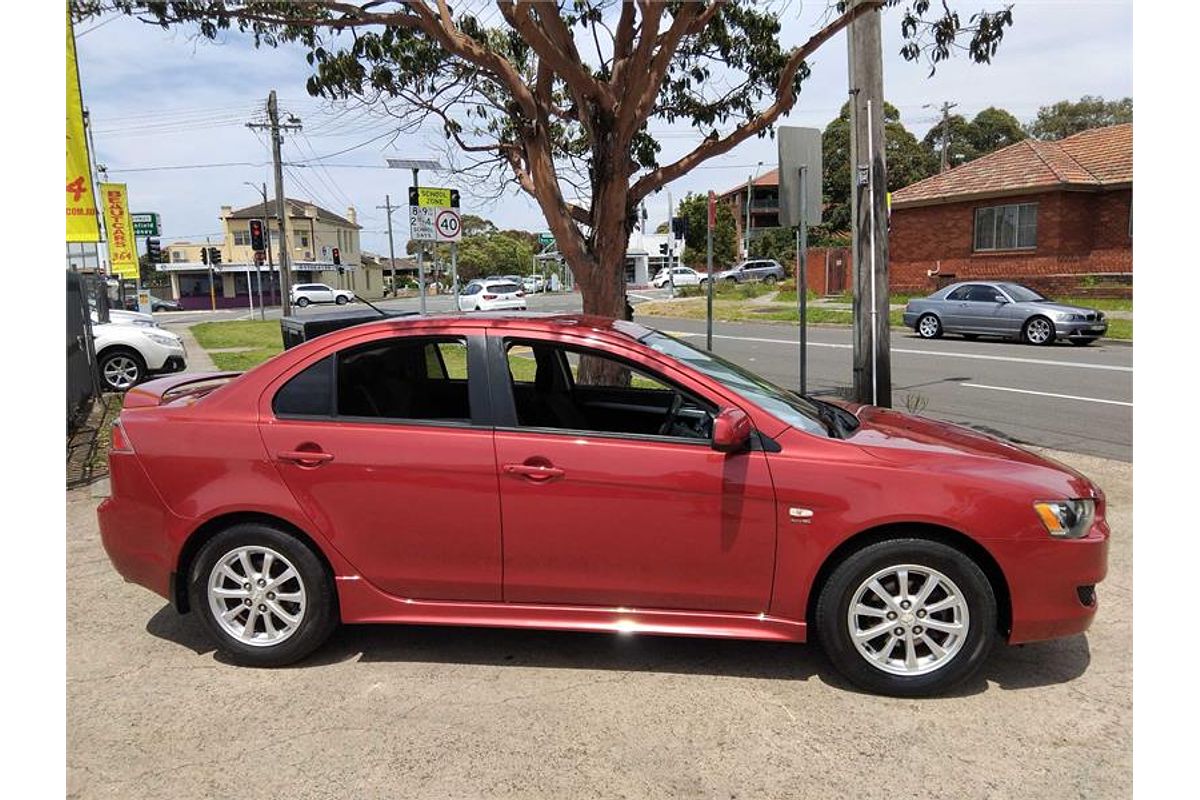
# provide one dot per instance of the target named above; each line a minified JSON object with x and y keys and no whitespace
{"x":342,"y":300}
{"x":1038,"y":330}
{"x":121,"y":369}
{"x":907,"y":617}
{"x":302,"y":302}
{"x":929,"y":326}
{"x":770,"y":279}
{"x":264,"y":596}
{"x":1082,"y":342}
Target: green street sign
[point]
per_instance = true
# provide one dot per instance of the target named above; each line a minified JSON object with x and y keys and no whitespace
{"x":145,"y":224}
{"x":545,"y":238}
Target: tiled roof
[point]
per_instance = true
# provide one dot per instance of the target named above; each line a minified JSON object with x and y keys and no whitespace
{"x":770,"y":178}
{"x":295,"y":209}
{"x":1094,"y":159}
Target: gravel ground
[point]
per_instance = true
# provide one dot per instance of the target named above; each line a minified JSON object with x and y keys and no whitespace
{"x":444,"y":712}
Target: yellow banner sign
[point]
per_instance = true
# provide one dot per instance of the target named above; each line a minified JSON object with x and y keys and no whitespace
{"x":82,"y":225}
{"x":122,"y":247}
{"x":429,"y":196}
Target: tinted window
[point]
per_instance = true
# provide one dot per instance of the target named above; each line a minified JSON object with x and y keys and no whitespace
{"x":959,"y":294}
{"x":504,"y":288}
{"x":405,"y":378}
{"x":308,"y":394}
{"x":982,"y":294}
{"x":1022,"y":294}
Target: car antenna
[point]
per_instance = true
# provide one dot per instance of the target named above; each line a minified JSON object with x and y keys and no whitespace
{"x":381,"y":312}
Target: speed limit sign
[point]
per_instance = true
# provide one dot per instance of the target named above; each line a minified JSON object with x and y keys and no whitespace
{"x":448,"y":225}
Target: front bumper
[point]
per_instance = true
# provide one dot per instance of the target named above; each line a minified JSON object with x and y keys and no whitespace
{"x":174,"y":363}
{"x":1052,"y":583}
{"x":1080,"y":330}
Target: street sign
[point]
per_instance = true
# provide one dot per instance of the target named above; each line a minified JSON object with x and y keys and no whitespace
{"x":545,"y":239}
{"x":432,"y":197}
{"x":145,"y":224}
{"x":799,"y":147}
{"x":448,"y":225}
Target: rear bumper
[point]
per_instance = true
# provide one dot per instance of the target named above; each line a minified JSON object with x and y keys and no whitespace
{"x":1052,"y":583}
{"x":132,"y":524}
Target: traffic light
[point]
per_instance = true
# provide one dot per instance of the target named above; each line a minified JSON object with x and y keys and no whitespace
{"x":153,"y":251}
{"x":214,"y":256}
{"x":204,"y":254}
{"x":337,"y":257}
{"x":679,"y":227}
{"x":259,"y":260}
{"x":256,"y":235}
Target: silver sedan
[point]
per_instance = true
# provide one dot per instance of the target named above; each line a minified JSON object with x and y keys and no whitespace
{"x":1010,"y":310}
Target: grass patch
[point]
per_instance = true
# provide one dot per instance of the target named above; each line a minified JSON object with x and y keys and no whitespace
{"x":1101,"y":303}
{"x":243,"y":360}
{"x":1120,"y":329}
{"x":262,"y":337}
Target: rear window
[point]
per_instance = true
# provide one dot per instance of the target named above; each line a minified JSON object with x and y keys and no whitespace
{"x":504,"y":288}
{"x":309,"y":394}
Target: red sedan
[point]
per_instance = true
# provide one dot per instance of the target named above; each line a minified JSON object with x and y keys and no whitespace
{"x":577,"y":473}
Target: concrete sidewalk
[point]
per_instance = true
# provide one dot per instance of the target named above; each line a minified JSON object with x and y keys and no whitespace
{"x":404,"y":712}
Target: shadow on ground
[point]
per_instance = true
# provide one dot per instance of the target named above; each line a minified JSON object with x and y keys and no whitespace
{"x":1020,"y":667}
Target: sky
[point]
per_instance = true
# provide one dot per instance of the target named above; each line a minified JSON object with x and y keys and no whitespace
{"x":161,"y":98}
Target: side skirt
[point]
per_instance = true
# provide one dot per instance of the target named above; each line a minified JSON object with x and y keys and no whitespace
{"x":361,"y":602}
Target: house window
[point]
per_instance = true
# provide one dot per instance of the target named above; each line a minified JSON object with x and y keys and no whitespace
{"x":304,"y":238}
{"x":1011,"y":227}
{"x":241,"y":238}
{"x":178,"y":256}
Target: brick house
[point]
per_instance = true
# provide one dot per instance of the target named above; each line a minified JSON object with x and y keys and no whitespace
{"x":764,"y":205}
{"x":1042,"y":213}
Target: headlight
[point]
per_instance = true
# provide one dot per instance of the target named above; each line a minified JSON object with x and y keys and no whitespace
{"x":164,"y":339}
{"x":1067,"y":519}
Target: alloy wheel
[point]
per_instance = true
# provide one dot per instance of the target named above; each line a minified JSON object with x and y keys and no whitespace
{"x":121,"y":372}
{"x":256,"y":596}
{"x":928,"y":327}
{"x":1038,"y":331}
{"x":908,"y":620}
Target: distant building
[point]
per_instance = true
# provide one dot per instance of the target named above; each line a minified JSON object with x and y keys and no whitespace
{"x":311,"y":232}
{"x":764,"y":206}
{"x":1042,"y":213}
{"x":644,"y":256}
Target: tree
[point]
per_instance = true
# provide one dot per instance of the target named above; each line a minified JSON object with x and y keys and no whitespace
{"x":519,"y":95}
{"x":1065,"y":118}
{"x":960,"y":147}
{"x":694,"y":208}
{"x":907,"y":162}
{"x":992,"y":129}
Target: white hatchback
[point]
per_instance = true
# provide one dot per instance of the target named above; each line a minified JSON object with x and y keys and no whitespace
{"x":684,"y":276}
{"x":492,"y":295}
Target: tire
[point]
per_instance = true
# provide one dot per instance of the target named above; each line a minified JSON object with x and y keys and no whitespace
{"x":302,"y":302}
{"x":315,"y":608}
{"x":1038,"y":331}
{"x":342,"y":300}
{"x":731,"y":282}
{"x":929,"y":326}
{"x":928,"y":673}
{"x":770,"y":280}
{"x":1083,"y":342}
{"x":121,"y":369}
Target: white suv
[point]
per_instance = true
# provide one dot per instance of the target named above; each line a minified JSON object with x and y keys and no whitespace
{"x":305,"y":293}
{"x":491,"y":295}
{"x":128,"y":353}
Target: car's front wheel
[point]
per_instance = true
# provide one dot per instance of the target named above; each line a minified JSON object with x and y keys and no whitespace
{"x":302,"y":302}
{"x":121,"y":369}
{"x":907,"y":617}
{"x":929,"y":326}
{"x":264,"y":596}
{"x":342,"y":300}
{"x":1038,"y":330}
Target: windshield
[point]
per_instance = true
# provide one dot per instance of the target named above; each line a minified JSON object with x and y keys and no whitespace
{"x":1021,"y":294}
{"x":787,"y":406}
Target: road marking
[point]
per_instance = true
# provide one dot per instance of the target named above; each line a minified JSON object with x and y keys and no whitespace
{"x":1049,"y":394}
{"x":943,"y":353}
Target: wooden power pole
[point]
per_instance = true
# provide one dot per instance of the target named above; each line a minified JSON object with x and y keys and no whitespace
{"x":868,"y":214}
{"x":285,"y":261}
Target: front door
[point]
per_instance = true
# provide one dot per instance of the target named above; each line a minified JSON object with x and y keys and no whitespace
{"x":612,"y":494}
{"x":378,"y":445}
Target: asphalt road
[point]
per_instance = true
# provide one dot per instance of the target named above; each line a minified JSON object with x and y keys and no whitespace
{"x":1063,"y":397}
{"x":402,"y":712}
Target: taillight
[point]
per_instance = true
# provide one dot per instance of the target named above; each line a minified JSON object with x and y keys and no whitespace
{"x":490,"y":296}
{"x":119,"y":442}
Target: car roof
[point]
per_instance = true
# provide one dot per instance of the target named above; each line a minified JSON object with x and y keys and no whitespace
{"x":539,"y":321}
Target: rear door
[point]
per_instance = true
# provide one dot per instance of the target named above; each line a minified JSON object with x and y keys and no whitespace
{"x":386,"y":445}
{"x":611,"y":493}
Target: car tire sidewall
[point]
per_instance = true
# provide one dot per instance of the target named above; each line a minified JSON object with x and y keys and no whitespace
{"x":320,"y":617}
{"x":837,"y":593}
{"x":770,"y":279}
{"x":342,"y":300}
{"x":936,"y":334}
{"x":132,"y":355}
{"x":302,"y":302}
{"x":1025,"y":331}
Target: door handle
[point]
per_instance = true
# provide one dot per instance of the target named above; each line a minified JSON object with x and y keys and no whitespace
{"x":305,"y":458}
{"x":535,"y":472}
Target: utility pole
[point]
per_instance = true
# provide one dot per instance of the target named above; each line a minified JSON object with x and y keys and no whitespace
{"x":671,"y":242}
{"x":387,"y":199}
{"x":293,"y":124}
{"x":420,"y":250}
{"x":945,"y":165}
{"x":868,"y":198}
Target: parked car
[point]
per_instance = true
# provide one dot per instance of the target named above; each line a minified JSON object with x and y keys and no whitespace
{"x":127,"y":353}
{"x":156,"y":304}
{"x":305,"y":293}
{"x":534,"y":283}
{"x":642,"y":485}
{"x":492,"y":295}
{"x":760,"y":269}
{"x":684,"y":276}
{"x":1010,"y":310}
{"x":126,"y":317}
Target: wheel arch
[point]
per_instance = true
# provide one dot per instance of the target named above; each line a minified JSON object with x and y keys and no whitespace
{"x":210,"y":528}
{"x":950,"y":537}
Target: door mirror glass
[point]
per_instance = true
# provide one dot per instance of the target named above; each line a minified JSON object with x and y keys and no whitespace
{"x":731,"y":430}
{"x":999,"y":298}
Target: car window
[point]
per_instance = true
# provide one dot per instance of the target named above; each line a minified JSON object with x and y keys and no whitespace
{"x":1022,"y":294}
{"x":959,"y":294}
{"x":981,"y":294}
{"x":406,"y":378}
{"x":308,"y":394}
{"x":579,"y":389}
{"x":504,"y":288}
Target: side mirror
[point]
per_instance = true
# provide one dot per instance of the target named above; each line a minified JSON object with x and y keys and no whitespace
{"x":999,"y":298}
{"x":731,"y":430}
